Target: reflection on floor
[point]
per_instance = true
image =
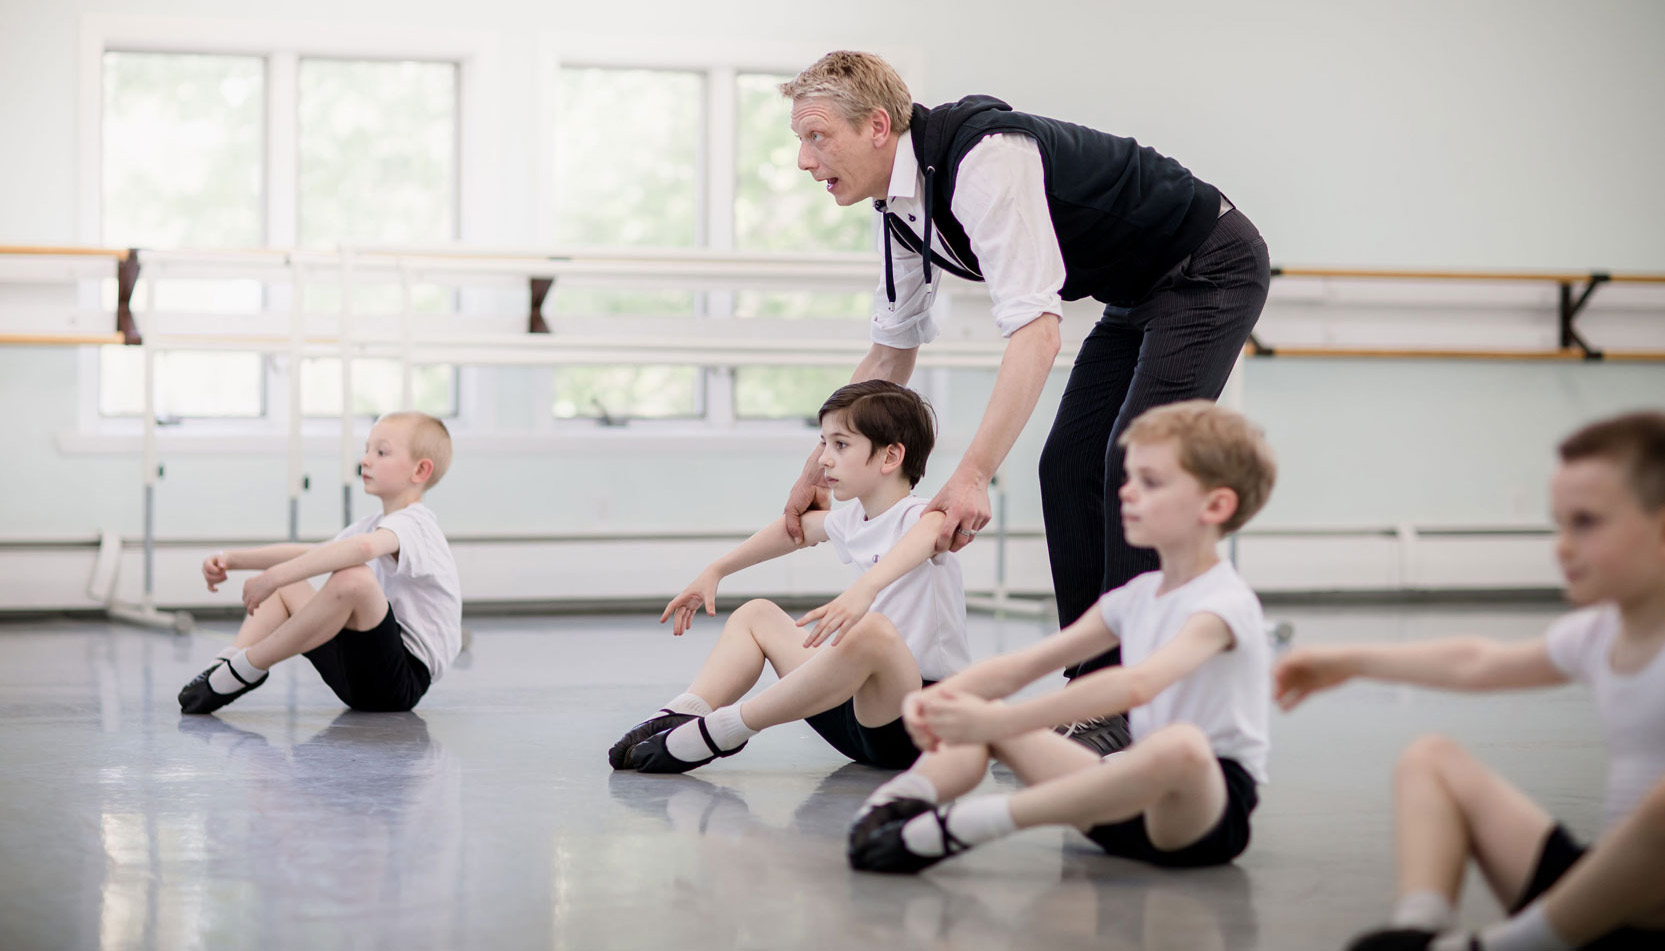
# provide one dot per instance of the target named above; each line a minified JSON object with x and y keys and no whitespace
{"x":489,"y":818}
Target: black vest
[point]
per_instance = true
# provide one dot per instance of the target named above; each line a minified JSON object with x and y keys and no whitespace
{"x":1123,"y":213}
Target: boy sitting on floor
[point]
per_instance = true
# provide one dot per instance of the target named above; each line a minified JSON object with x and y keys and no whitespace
{"x":1193,"y":681}
{"x":389,"y":619}
{"x":900,"y":625}
{"x":1609,"y":499}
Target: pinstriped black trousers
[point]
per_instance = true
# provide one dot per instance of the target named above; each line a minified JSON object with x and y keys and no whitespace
{"x":1178,"y":344}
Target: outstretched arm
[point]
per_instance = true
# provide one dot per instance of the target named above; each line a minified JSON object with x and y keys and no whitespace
{"x":965,"y":718}
{"x":1456,"y":663}
{"x":772,"y":541}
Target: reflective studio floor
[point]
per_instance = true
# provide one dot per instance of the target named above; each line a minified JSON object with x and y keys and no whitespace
{"x":488,"y":818}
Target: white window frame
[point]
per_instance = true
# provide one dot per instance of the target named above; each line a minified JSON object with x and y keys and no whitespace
{"x":719,"y":62}
{"x":282,"y":45}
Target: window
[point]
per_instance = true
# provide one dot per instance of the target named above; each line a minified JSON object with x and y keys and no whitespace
{"x":633,"y":166}
{"x":184,"y":165}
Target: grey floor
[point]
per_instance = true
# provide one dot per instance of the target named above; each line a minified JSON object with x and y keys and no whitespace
{"x":489,"y":818}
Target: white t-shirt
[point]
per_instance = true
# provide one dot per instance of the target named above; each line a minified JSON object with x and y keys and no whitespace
{"x":1631,"y":706}
{"x":927,"y":604}
{"x":1229,"y":696}
{"x":420,"y":582}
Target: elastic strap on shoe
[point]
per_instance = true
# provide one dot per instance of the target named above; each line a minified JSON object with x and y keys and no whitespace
{"x":951,"y":844}
{"x":706,"y":736}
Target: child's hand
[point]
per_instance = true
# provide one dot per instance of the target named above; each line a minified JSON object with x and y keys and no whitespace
{"x":837,"y":617}
{"x":702,"y":590}
{"x":214,"y":569}
{"x":1305,"y":671}
{"x":256,"y":590}
{"x":960,"y":717}
{"x":913,"y":719}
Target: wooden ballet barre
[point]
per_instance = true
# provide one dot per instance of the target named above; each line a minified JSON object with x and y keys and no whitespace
{"x":1556,"y":277}
{"x":59,"y":340}
{"x":120,"y":254}
{"x":1564,"y":354}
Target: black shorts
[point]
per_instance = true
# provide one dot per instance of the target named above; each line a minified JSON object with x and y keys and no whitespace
{"x":372,"y":670}
{"x":887,"y":747}
{"x":1224,"y":842}
{"x":1559,"y":853}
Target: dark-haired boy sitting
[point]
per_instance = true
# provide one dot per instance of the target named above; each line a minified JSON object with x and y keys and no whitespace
{"x":900,"y":625}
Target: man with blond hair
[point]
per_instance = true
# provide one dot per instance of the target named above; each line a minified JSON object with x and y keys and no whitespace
{"x":1042,"y":211}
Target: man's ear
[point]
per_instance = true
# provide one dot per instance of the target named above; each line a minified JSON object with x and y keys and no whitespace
{"x":1220,"y":505}
{"x":878,"y":126}
{"x":424,"y":472}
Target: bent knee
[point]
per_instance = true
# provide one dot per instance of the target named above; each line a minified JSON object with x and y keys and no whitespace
{"x":875,"y":633}
{"x":355,"y":581}
{"x":1428,"y":753}
{"x":1180,"y":748}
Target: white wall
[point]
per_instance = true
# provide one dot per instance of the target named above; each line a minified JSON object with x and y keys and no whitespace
{"x":1479,"y":134}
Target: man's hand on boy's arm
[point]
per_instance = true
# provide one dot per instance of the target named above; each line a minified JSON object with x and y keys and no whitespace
{"x":1456,"y":663}
{"x":319,"y":560}
{"x":809,"y":494}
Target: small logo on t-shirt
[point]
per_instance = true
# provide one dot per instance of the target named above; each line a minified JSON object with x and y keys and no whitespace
{"x":875,"y":559}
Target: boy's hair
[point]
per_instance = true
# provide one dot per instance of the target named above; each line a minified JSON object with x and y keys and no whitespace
{"x":429,"y":439}
{"x":1218,"y":446}
{"x":857,"y":84}
{"x":1635,"y":442}
{"x":887,"y":414}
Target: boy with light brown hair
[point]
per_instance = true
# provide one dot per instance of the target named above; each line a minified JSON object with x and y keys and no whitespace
{"x":1608,"y":495}
{"x":386,"y":623}
{"x":1196,"y":662}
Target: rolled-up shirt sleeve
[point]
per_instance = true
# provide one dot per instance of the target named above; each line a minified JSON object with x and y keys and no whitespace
{"x":908,"y":323}
{"x":1000,"y":198}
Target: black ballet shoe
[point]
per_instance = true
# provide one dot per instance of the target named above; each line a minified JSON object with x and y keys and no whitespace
{"x":653,"y":754}
{"x":199,"y":697}
{"x":878,"y":846}
{"x":1102,"y":735}
{"x":619,"y":756}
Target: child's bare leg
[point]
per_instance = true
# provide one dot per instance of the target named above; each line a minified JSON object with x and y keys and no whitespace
{"x":278,"y":608}
{"x":953,"y":771}
{"x":1447,"y":807}
{"x":946,"y":774}
{"x":756,"y":632}
{"x":871,"y":664}
{"x":1172,"y":777}
{"x":1617,"y":882}
{"x":351,"y":598}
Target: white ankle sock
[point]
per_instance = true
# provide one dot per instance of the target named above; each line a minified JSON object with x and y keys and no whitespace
{"x":1427,"y":910}
{"x":727,"y":730}
{"x":1527,"y":931}
{"x":972,"y":821}
{"x":690,"y":704}
{"x":223,"y":681}
{"x":228,"y":653}
{"x":909,"y":785}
